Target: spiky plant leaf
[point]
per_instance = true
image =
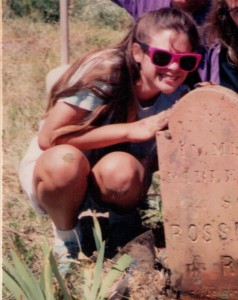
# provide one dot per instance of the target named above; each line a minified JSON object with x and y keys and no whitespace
{"x":120,"y":266}
{"x":12,"y":285}
{"x":97,"y":233}
{"x":25,"y":278}
{"x":46,"y":281}
{"x":58,"y":276}
{"x":98,"y":271}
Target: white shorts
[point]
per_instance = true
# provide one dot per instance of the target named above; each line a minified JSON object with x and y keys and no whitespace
{"x":26,"y":170}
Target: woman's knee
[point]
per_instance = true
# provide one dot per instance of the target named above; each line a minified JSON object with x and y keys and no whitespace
{"x":119,"y":177}
{"x":61,"y":165}
{"x":119,"y":169}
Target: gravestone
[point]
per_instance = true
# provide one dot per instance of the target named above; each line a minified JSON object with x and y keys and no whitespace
{"x":198,"y":163}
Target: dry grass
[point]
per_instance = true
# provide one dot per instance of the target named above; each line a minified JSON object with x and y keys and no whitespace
{"x":30,"y":51}
{"x":25,"y":47}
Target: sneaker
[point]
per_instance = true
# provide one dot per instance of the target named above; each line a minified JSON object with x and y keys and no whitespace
{"x":65,"y":253}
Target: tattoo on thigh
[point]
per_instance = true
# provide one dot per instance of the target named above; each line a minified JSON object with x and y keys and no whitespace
{"x":68,"y":157}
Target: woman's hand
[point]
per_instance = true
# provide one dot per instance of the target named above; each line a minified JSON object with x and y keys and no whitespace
{"x":145,"y":129}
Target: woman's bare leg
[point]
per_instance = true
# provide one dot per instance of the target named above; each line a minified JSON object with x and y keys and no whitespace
{"x":120,"y":179}
{"x":60,"y":183}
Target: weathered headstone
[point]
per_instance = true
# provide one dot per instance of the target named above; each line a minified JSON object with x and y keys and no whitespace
{"x":198,"y":162}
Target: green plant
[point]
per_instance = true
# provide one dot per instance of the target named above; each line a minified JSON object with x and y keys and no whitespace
{"x":152,"y":214}
{"x":151,"y":211}
{"x":103,"y":13}
{"x":22,"y":283}
{"x":47,"y":9}
{"x":21,"y":8}
{"x":96,"y":286}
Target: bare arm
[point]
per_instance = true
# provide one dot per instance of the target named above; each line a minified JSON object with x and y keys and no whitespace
{"x":63,"y":114}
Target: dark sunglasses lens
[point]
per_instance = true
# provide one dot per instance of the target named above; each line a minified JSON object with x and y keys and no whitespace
{"x":161,"y":58}
{"x":187,"y":63}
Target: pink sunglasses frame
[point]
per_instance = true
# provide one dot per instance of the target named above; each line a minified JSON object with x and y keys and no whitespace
{"x":175,"y":57}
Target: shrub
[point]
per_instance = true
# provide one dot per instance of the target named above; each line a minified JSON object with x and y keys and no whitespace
{"x":48,"y":10}
{"x":105,"y":14}
{"x":102,"y":13}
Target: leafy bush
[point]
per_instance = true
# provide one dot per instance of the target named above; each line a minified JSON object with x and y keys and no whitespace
{"x":47,"y":9}
{"x":102,"y":13}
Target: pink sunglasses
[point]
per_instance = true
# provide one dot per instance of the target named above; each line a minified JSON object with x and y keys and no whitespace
{"x":162,"y":58}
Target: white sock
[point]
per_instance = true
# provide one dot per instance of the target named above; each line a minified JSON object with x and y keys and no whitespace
{"x":74,"y":235}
